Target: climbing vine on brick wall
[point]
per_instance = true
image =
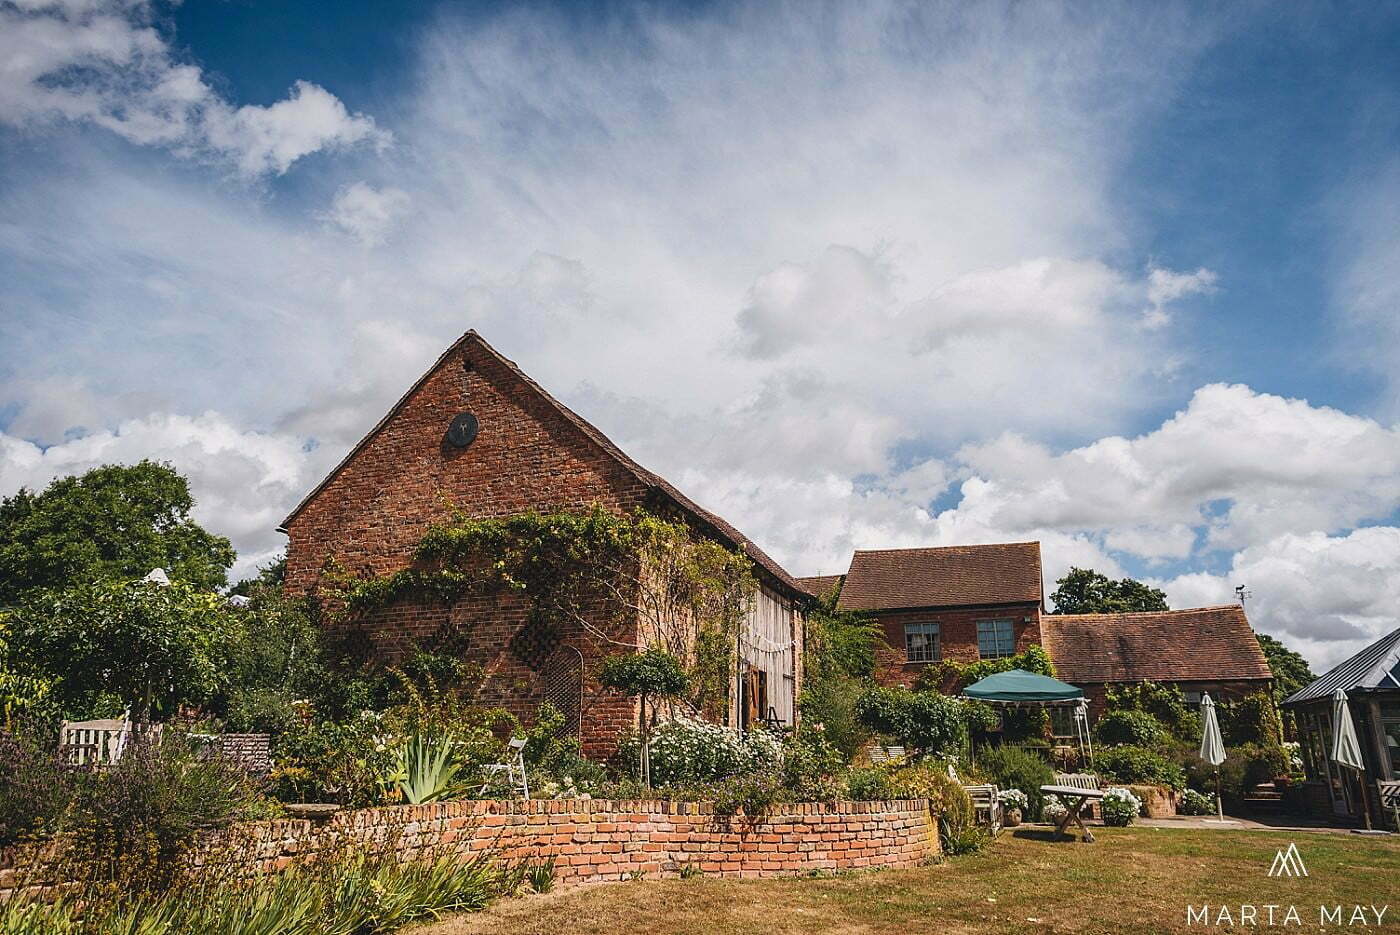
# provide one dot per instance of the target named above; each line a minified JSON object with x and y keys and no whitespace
{"x":591,"y":569}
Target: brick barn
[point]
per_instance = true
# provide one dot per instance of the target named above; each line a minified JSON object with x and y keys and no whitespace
{"x":987,"y":601}
{"x":524,"y":451}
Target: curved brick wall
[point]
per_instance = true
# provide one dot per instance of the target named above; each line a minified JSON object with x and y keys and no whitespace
{"x":597,"y":840}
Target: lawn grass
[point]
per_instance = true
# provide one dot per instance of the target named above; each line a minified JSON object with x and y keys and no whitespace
{"x":1133,"y":880}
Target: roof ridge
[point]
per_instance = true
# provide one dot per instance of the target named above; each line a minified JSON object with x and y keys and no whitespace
{"x":937,"y":548}
{"x":1146,"y":613}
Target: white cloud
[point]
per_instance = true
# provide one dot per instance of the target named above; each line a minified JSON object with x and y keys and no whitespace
{"x":1328,"y":596}
{"x":102,"y":62}
{"x":244,"y":481}
{"x":367,"y":213}
{"x":822,"y":270}
{"x":1165,"y":286}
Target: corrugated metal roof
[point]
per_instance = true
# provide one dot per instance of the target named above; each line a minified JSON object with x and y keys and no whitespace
{"x":1376,"y":666}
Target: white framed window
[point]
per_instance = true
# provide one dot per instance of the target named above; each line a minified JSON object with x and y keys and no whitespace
{"x":996,"y":639}
{"x":921,"y":642}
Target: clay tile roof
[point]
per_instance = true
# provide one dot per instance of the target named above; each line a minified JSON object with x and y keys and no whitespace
{"x":716,"y":524}
{"x":1200,"y":644}
{"x":953,"y":576}
{"x":820,"y":585}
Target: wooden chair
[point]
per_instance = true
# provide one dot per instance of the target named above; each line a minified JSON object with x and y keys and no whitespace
{"x":513,"y":768}
{"x":985,"y":805}
{"x":881,"y":755}
{"x":93,"y":743}
{"x":1080,"y":781}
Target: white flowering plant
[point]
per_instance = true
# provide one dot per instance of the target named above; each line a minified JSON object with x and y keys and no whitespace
{"x":1197,"y":803}
{"x":1120,"y":806}
{"x":1013,"y":798}
{"x":690,"y":750}
{"x":1052,"y":809}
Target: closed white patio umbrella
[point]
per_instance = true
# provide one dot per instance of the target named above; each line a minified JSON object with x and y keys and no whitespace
{"x":1212,"y":747}
{"x":1346,"y":747}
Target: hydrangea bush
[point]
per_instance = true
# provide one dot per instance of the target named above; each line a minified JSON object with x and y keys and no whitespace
{"x":1013,"y":798}
{"x":1120,"y":806}
{"x":1196,"y":803}
{"x":1052,"y":809}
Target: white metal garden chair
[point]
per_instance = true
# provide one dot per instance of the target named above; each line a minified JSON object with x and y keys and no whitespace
{"x":513,"y":769}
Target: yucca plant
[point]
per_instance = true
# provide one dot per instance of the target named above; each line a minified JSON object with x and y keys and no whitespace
{"x":427,"y":769}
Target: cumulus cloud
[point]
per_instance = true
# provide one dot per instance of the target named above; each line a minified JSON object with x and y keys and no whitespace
{"x":103,"y":62}
{"x":244,"y":481}
{"x":1328,"y":595}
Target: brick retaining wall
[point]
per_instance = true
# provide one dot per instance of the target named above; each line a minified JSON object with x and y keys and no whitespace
{"x":597,"y":840}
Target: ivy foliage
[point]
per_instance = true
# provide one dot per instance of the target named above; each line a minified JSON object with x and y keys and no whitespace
{"x":952,"y":676}
{"x":115,"y":521}
{"x":595,"y":570}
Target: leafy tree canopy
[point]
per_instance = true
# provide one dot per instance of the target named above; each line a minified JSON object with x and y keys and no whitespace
{"x":1085,"y":591}
{"x":113,"y":521}
{"x":1291,"y":670}
{"x":153,"y":646}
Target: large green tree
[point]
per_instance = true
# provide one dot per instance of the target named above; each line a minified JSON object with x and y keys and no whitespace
{"x":1085,"y":591}
{"x":150,"y":645}
{"x":113,"y":521}
{"x":1291,"y":670}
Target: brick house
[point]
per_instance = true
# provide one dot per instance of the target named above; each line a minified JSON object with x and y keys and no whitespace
{"x":958,"y":602}
{"x":986,"y":602}
{"x":477,"y":435}
{"x":1201,"y":649}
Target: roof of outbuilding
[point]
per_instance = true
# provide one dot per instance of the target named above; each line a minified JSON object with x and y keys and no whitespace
{"x":1375,"y":667}
{"x":820,"y":585}
{"x":949,"y":576}
{"x":717,"y":524}
{"x":1199,"y":644}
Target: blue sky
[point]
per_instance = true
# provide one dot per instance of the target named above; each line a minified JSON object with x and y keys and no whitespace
{"x":1123,"y":279}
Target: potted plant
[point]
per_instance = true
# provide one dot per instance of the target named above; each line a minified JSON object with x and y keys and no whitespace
{"x":1013,"y":805}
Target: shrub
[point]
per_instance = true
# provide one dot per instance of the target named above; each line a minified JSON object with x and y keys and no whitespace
{"x":752,"y":793}
{"x":1244,"y":767}
{"x":831,"y":702}
{"x":690,"y":750}
{"x":1015,"y":768}
{"x":1163,"y":702}
{"x":1250,"y":720}
{"x":36,"y":790}
{"x":869,"y":784}
{"x":1137,"y":728}
{"x":1052,"y":809}
{"x":811,"y":766}
{"x":344,"y":893}
{"x":1196,"y":803}
{"x":1138,"y":765}
{"x":947,"y":798}
{"x":926,"y":721}
{"x":1119,"y":806}
{"x":135,"y":822}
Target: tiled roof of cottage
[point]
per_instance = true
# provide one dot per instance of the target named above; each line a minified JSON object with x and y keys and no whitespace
{"x":820,"y":585}
{"x":717,"y":524}
{"x":1375,"y":668}
{"x":951,"y":576}
{"x":1200,"y":644}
